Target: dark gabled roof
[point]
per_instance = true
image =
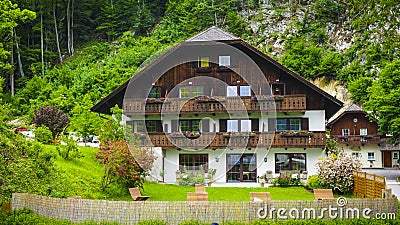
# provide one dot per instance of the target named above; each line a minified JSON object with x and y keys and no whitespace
{"x":353,"y":108}
{"x":212,"y":34}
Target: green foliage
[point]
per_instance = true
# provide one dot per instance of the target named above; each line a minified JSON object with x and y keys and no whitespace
{"x":70,"y":150}
{"x":192,"y":222}
{"x":152,"y":222}
{"x":43,"y":134}
{"x":358,"y":89}
{"x":331,"y":146}
{"x":190,"y":179}
{"x":384,"y":100}
{"x":313,"y":182}
{"x":56,"y":120}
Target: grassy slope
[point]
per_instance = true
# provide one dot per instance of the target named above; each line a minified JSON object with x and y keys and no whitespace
{"x":83,"y":178}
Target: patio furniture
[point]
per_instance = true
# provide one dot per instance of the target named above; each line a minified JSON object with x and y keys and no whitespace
{"x":321,"y":194}
{"x":260,"y":196}
{"x":136,"y":196}
{"x":197,"y":196}
{"x":200,"y":188}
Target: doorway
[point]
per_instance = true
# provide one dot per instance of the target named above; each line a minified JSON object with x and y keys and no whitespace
{"x":387,"y":159}
{"x":241,"y":168}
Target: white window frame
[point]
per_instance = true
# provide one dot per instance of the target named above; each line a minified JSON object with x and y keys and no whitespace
{"x":245,"y":124}
{"x":372,"y":157}
{"x":224,"y":60}
{"x":346,"y":132}
{"x":231,"y":91}
{"x":232,"y":126}
{"x":245,"y":90}
{"x":356,"y":154}
{"x":363,"y":131}
{"x":180,"y":92}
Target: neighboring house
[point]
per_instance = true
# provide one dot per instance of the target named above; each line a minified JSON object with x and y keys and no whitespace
{"x":356,"y":134}
{"x":292,"y":138}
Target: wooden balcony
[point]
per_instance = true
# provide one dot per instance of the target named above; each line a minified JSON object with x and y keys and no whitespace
{"x":357,"y":140}
{"x":288,"y":103}
{"x":221,"y":140}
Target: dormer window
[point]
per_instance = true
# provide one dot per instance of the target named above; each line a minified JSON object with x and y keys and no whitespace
{"x":345,"y":132}
{"x":231,"y":91}
{"x":155,"y":92}
{"x":224,"y":60}
{"x":190,"y":92}
{"x":278,"y":89}
{"x":243,"y":90}
{"x":204,"y":62}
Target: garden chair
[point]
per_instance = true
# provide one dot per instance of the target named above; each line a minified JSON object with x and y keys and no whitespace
{"x":321,"y":194}
{"x":200,"y":188}
{"x":260,"y":196}
{"x":136,"y":196}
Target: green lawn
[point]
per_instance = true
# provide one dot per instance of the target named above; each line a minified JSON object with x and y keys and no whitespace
{"x":83,"y":178}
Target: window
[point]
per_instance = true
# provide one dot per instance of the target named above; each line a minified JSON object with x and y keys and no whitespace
{"x":371,"y":156}
{"x":197,"y":91}
{"x":190,"y":92}
{"x":290,"y":161}
{"x":204,"y":61}
{"x":193,"y":161}
{"x":278,"y":89}
{"x":224,"y":60}
{"x":138,"y":126}
{"x":281,"y":124}
{"x":363,"y":131}
{"x":395,"y":155}
{"x":346,"y":132}
{"x":151,"y":126}
{"x":245,"y":91}
{"x":295,"y":124}
{"x":233,"y":126}
{"x":245,"y":125}
{"x":155,"y":92}
{"x":356,"y":154}
{"x":231,"y":91}
{"x":189,"y":125}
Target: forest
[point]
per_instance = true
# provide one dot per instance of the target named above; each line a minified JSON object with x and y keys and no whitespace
{"x":70,"y":54}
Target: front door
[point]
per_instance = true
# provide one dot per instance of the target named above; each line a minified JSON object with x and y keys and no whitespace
{"x":387,"y":159}
{"x":241,"y":168}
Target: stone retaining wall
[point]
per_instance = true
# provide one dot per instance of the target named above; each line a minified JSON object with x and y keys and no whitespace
{"x":130,"y":212}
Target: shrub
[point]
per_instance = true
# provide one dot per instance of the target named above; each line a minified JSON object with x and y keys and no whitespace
{"x":337,"y":171}
{"x":190,"y":179}
{"x":56,"y":120}
{"x":70,"y":150}
{"x":152,"y":222}
{"x":313,"y":182}
{"x":281,"y":181}
{"x":43,"y":134}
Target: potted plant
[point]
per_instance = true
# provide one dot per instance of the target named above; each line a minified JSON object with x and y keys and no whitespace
{"x":210,"y":176}
{"x":162,"y":173}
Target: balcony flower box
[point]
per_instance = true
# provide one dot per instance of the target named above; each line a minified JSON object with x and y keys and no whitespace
{"x":223,"y":69}
{"x":238,"y":134}
{"x":267,"y":97}
{"x":203,"y":70}
{"x":206,"y":98}
{"x":156,"y":100}
{"x":190,"y":135}
{"x":296,"y":133}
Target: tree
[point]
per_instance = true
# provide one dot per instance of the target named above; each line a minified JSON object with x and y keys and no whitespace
{"x":384,"y":100}
{"x":56,"y":120}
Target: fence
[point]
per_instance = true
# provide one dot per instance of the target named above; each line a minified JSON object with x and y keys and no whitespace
{"x":368,"y":185}
{"x":130,"y":212}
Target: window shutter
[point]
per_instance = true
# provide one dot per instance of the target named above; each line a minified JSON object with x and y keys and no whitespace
{"x":223,"y":125}
{"x":271,"y":124}
{"x":304,"y":123}
{"x":255,"y":125}
{"x":159,"y":126}
{"x":174,"y":125}
{"x":205,"y":125}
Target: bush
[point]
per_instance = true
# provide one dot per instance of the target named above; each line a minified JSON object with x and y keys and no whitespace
{"x":43,"y":134}
{"x":70,"y":150}
{"x":56,"y":120}
{"x":336,"y":171}
{"x":190,"y":179}
{"x":313,"y":182}
{"x":281,"y":181}
{"x":193,"y":222}
{"x":152,"y":222}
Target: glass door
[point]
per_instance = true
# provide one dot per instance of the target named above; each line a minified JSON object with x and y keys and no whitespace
{"x":241,"y":168}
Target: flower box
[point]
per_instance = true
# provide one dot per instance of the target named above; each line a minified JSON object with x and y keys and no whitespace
{"x":205,"y":98}
{"x":296,"y":133}
{"x":203,"y":69}
{"x":190,"y":135}
{"x":238,"y":134}
{"x":267,"y":97}
{"x":223,"y":69}
{"x":156,"y":100}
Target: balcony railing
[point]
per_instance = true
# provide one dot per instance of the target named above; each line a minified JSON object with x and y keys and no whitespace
{"x":288,"y":103}
{"x":221,"y":140}
{"x":357,"y":139}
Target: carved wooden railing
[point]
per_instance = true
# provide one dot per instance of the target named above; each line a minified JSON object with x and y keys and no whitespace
{"x":222,"y":140}
{"x":287,"y":103}
{"x":357,"y":139}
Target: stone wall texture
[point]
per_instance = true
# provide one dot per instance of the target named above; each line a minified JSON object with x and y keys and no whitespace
{"x":130,"y":212}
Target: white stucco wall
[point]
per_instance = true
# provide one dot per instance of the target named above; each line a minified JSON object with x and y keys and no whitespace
{"x":363,"y":152}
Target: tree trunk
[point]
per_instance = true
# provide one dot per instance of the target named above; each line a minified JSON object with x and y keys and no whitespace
{"x":68,"y":28}
{"x":12,"y":74}
{"x":72,"y":28}
{"x":56,"y":30}
{"x":21,"y":70}
{"x":42,"y":42}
